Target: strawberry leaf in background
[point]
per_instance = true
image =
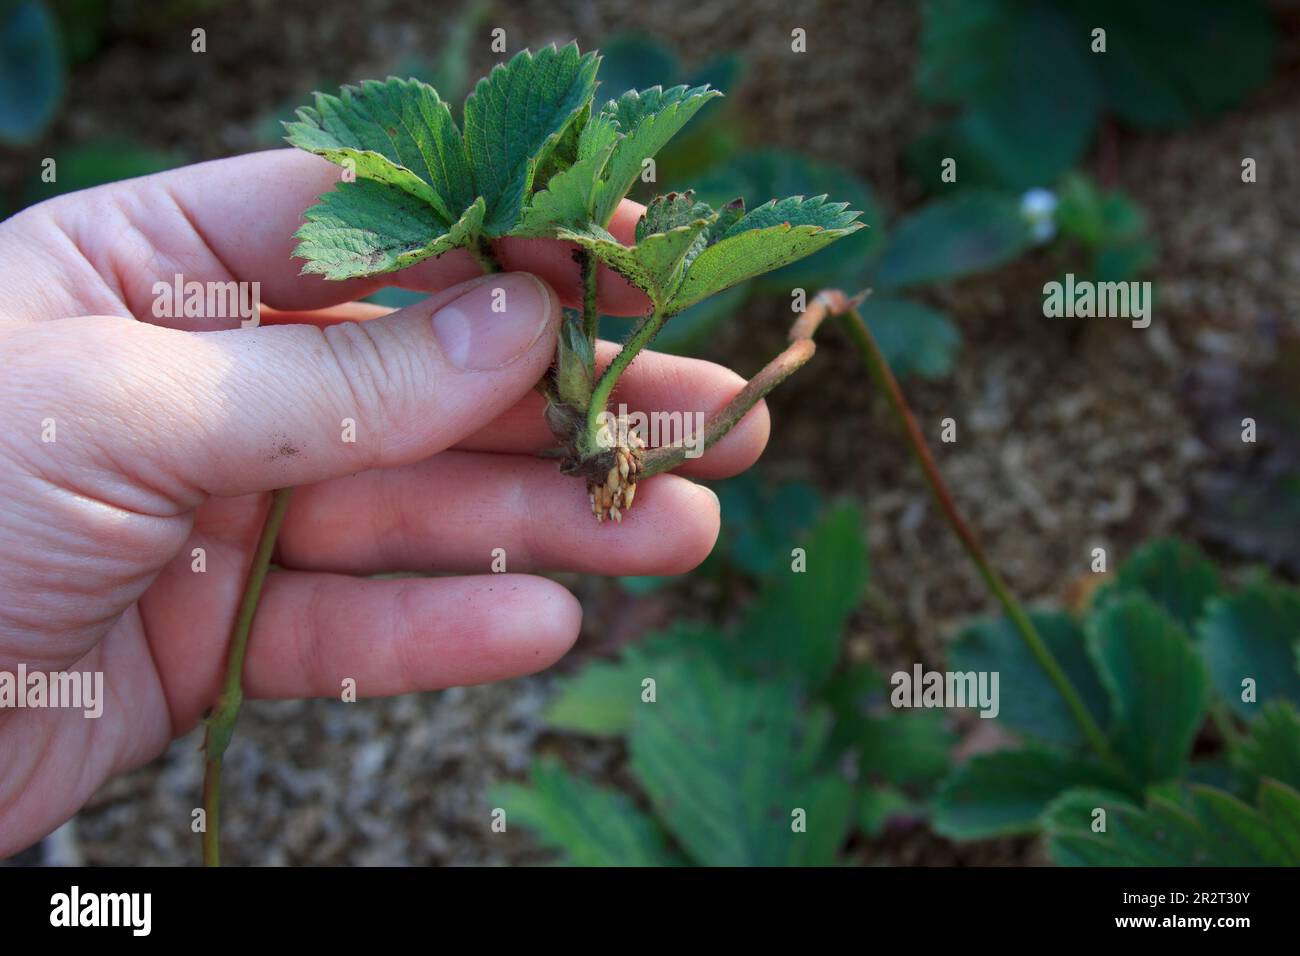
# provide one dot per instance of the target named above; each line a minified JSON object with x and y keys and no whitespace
{"x":1158,"y":686}
{"x":727,"y":764}
{"x":1030,"y":704}
{"x":1005,"y":793}
{"x":1254,"y":634}
{"x":1272,"y":749}
{"x":914,"y":338}
{"x":1209,"y":828}
{"x":1174,"y":574}
{"x":589,"y":825}
{"x":951,"y":238}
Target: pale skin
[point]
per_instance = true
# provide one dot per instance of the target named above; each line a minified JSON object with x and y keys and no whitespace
{"x":169,"y":435}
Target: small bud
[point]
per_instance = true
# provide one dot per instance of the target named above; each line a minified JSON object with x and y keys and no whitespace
{"x":612,"y":479}
{"x":628,"y":494}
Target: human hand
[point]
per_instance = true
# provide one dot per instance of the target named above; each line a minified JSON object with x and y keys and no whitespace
{"x":128,"y":441}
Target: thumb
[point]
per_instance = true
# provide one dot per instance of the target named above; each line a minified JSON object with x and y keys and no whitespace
{"x":247,"y":410}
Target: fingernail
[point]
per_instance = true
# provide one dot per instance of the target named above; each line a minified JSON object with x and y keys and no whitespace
{"x":493,"y":323}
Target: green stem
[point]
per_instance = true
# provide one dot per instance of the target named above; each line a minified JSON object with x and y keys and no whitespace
{"x":221,"y":721}
{"x":590,"y":314}
{"x":640,"y":338}
{"x":481,"y":250}
{"x":878,"y":367}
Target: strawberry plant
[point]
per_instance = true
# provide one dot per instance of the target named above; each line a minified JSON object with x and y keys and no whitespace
{"x":1199,"y":689}
{"x":539,"y":159}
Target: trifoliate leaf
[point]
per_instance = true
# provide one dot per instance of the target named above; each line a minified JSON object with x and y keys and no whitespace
{"x":766,"y":238}
{"x":1158,"y":685}
{"x":589,"y":825}
{"x":646,"y":121}
{"x":1254,"y":636}
{"x":515,"y":117}
{"x":398,"y":132}
{"x":364,"y":228}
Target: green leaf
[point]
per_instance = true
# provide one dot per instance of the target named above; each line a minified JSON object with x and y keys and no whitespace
{"x":567,"y":199}
{"x":914,"y":338}
{"x":758,"y":175}
{"x":761,"y":518}
{"x":728,"y":765}
{"x":906,"y":749}
{"x":31,"y":70}
{"x":647,"y":120}
{"x":602,"y":699}
{"x":599,"y":701}
{"x":951,"y":238}
{"x":766,"y":238}
{"x":1034,"y":110}
{"x":1212,"y":828}
{"x":515,"y":117}
{"x":365,"y":228}
{"x":654,"y":264}
{"x":1152,"y":74}
{"x":399,"y":133}
{"x":588,"y":825}
{"x":1254,"y":635}
{"x":1158,"y":686}
{"x":794,"y":625}
{"x":1273,"y":747}
{"x":1175,"y":574}
{"x":1029,"y":702}
{"x":1005,"y":793}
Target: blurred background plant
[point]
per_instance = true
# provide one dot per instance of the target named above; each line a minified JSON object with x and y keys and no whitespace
{"x":1112,"y":166}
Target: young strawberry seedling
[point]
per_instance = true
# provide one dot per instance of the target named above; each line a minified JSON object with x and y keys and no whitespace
{"x":538,"y":158}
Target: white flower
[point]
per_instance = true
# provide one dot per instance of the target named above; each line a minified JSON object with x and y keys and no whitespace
{"x":1038,"y":207}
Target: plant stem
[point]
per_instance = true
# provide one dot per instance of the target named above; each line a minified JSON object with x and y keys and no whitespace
{"x":791,"y":359}
{"x":221,"y":721}
{"x":878,"y":367}
{"x":590,"y":313}
{"x":639,"y":339}
{"x":481,"y":250}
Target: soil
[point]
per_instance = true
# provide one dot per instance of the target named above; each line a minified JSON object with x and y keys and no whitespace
{"x":1072,"y":434}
